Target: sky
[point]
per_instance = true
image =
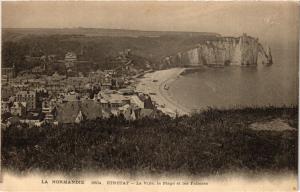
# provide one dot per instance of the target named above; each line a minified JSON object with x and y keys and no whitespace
{"x":264,"y":20}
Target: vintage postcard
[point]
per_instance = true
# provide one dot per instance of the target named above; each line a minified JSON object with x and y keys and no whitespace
{"x":149,"y":96}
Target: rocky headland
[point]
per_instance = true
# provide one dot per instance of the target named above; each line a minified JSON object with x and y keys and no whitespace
{"x":244,"y":50}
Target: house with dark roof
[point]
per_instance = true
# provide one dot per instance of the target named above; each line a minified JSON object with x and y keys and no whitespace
{"x":148,"y":104}
{"x":77,"y":111}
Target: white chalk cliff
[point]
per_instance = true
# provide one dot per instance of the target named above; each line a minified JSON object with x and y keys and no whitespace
{"x":244,"y":50}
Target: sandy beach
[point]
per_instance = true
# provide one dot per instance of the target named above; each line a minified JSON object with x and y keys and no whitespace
{"x":156,"y":84}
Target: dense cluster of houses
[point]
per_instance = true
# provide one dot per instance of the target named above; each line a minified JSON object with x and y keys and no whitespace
{"x":57,"y":99}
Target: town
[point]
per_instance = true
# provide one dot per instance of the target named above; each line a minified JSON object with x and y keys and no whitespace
{"x":35,"y":98}
{"x":134,"y":95}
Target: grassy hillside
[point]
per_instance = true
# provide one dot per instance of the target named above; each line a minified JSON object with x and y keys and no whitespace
{"x":95,"y":45}
{"x":212,"y":142}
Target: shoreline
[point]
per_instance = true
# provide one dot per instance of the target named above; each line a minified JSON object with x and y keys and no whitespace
{"x":154,"y":84}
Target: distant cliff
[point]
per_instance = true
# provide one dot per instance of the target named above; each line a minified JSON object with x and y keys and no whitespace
{"x":99,"y":46}
{"x":244,"y":50}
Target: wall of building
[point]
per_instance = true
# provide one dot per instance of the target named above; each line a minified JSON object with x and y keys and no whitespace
{"x":29,"y":97}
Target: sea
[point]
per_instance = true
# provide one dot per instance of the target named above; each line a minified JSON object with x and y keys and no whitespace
{"x":236,"y":86}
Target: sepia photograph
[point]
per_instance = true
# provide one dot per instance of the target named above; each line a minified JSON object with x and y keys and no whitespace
{"x":149,"y":95}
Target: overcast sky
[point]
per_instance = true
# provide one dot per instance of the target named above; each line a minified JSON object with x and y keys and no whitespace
{"x":263,"y":20}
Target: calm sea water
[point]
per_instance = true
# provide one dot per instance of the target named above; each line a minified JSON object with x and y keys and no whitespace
{"x":241,"y":86}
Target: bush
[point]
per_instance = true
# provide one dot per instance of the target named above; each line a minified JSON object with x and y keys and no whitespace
{"x":211,"y":142}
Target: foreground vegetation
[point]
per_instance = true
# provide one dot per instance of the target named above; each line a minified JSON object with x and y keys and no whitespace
{"x":211,"y":142}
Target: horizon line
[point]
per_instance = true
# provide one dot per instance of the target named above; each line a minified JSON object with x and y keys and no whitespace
{"x":142,"y":30}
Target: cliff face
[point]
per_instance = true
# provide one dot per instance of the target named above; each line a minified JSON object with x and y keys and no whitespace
{"x":244,"y":50}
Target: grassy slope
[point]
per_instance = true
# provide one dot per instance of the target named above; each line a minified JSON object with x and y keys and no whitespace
{"x":98,"y":44}
{"x":212,"y":142}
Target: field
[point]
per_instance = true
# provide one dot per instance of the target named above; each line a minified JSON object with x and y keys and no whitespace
{"x":208,"y":143}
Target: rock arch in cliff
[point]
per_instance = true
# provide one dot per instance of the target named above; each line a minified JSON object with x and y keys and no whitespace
{"x":244,"y":50}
